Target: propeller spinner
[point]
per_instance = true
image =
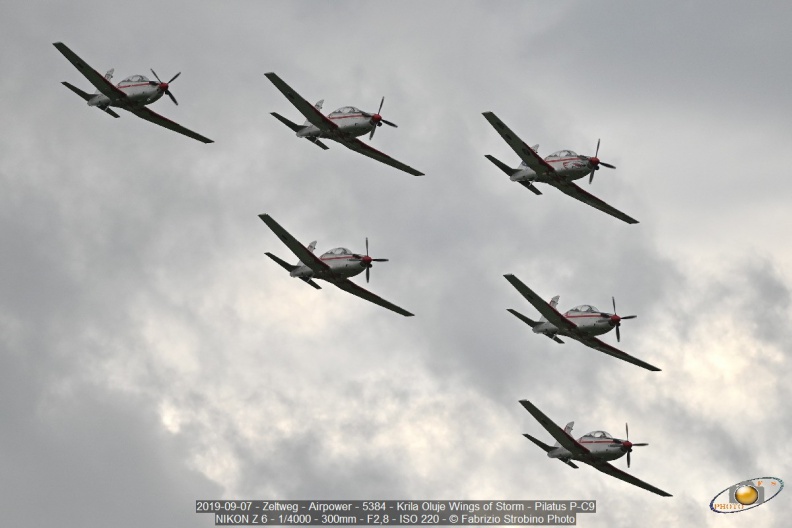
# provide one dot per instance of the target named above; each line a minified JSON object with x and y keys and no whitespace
{"x":595,"y":161}
{"x":615,"y":320}
{"x":376,"y":119}
{"x":366,"y":260}
{"x":163,"y":86}
{"x":627,"y":445}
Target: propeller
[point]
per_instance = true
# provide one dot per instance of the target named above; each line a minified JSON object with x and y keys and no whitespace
{"x":376,"y":119}
{"x":595,"y":161}
{"x":615,"y":320}
{"x":366,"y":260}
{"x":627,"y":445}
{"x":163,"y":86}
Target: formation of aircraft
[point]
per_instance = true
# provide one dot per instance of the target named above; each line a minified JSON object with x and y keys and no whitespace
{"x":559,"y":169}
{"x":335,"y":266}
{"x":581,"y":323}
{"x":132,"y":94}
{"x":343,"y":125}
{"x":595,"y":449}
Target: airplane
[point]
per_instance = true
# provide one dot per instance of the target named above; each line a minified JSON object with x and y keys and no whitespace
{"x":132,"y":94}
{"x":595,"y":449}
{"x":581,"y":323}
{"x":335,"y":266}
{"x":559,"y":169}
{"x":343,"y":125}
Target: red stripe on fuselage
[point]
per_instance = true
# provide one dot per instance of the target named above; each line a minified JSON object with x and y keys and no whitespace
{"x":345,"y":116}
{"x":133,"y":85}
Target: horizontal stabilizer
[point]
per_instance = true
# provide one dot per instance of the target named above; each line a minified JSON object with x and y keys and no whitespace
{"x":289,"y":267}
{"x":538,"y":442}
{"x":521,"y":317}
{"x":555,"y":338}
{"x":502,"y":166}
{"x":311,"y":282}
{"x":108,"y":111}
{"x":531,"y":187}
{"x":568,"y":463}
{"x":283,"y":264}
{"x":318,"y":143}
{"x":76,"y":90}
{"x":293,"y":126}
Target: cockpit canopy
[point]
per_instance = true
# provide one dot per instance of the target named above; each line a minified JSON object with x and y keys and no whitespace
{"x":585,"y":308}
{"x":135,"y":79}
{"x":337,"y":252}
{"x":562,"y":154}
{"x":600,"y":434}
{"x":346,"y":110}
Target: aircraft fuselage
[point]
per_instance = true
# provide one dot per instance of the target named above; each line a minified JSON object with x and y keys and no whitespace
{"x":570,"y":168}
{"x":606,"y":449}
{"x":138,"y":94}
{"x":350,"y":125}
{"x":340,"y":266}
{"x":591,"y":323}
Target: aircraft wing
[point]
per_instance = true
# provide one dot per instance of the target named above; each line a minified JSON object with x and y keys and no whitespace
{"x":551,"y":314}
{"x":626,"y":477}
{"x":305,"y":256}
{"x":563,"y":438}
{"x":570,"y":189}
{"x":350,"y":287}
{"x":317,"y":118}
{"x":97,"y":79}
{"x":596,"y":344}
{"x":358,"y":146}
{"x":149,"y":115}
{"x":526,"y":153}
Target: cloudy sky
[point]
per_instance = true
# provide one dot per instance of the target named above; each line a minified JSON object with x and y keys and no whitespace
{"x":153,"y":355}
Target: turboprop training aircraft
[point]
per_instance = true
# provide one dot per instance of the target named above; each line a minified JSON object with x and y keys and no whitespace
{"x":344,"y":125}
{"x":595,"y":449}
{"x":559,"y":169}
{"x":132,"y":94}
{"x":581,"y":323}
{"x":335,"y":266}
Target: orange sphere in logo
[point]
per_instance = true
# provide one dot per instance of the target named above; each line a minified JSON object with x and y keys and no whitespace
{"x":746,"y":495}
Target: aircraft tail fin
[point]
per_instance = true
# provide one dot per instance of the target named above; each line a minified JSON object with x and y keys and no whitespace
{"x":567,"y":430}
{"x":311,"y":247}
{"x":318,"y":106}
{"x":108,"y":76}
{"x":553,"y":304}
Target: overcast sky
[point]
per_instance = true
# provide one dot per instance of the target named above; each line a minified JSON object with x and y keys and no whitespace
{"x":153,"y":355}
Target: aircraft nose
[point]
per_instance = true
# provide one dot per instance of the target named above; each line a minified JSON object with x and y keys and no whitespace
{"x":614,"y":319}
{"x":594,"y":161}
{"x":376,"y":118}
{"x":163,"y":87}
{"x":627,"y":445}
